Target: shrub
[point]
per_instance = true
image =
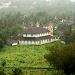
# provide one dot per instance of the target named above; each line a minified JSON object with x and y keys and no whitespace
{"x":63,"y":58}
{"x":17,"y":71}
{"x":2,"y":69}
{"x":59,"y":73}
{"x":1,"y":43}
{"x":2,"y":72}
{"x":3,"y":64}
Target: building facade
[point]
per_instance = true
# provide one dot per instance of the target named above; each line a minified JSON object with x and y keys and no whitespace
{"x":35,"y":35}
{"x":49,"y":26}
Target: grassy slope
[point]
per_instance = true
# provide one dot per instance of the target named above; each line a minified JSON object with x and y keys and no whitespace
{"x":24,"y":56}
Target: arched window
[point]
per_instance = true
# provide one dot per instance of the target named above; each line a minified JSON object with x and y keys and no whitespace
{"x":25,"y":42}
{"x":32,"y":42}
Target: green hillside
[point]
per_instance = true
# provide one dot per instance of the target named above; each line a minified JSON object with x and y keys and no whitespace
{"x":24,"y":56}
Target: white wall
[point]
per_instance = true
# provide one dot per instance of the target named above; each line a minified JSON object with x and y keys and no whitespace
{"x":34,"y":42}
{"x":35,"y":35}
{"x":14,"y":44}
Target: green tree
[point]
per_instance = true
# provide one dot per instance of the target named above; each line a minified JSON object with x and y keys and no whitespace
{"x":1,"y":43}
{"x":63,"y":58}
{"x":69,"y":36}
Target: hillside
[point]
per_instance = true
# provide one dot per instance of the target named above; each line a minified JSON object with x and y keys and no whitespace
{"x":24,"y":56}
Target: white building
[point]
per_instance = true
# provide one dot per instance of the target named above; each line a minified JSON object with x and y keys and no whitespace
{"x":35,"y":35}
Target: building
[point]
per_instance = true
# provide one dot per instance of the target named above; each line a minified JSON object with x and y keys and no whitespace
{"x":35,"y":35}
{"x":49,"y":26}
{"x":11,"y":41}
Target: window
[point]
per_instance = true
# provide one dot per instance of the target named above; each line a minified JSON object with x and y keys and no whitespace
{"x":32,"y":42}
{"x":25,"y":42}
{"x":47,"y":33}
{"x":40,"y":34}
{"x":46,"y":40}
{"x":36,"y":42}
{"x":28,"y":35}
{"x":32,"y":35}
{"x":24,"y":35}
{"x":43,"y":41}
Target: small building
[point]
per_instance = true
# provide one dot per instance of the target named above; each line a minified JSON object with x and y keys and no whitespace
{"x":49,"y":26}
{"x":35,"y":35}
{"x":11,"y":41}
{"x":14,"y":43}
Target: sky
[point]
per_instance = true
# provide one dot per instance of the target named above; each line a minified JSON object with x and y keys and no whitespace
{"x":33,"y":2}
{"x":73,"y":0}
{"x":50,"y":0}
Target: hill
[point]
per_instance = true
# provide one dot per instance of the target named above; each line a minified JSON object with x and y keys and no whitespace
{"x":28,"y":58}
{"x":24,"y":56}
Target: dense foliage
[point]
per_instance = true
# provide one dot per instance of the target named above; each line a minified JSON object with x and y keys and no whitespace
{"x":25,"y":56}
{"x":69,"y":36}
{"x":1,"y":43}
{"x":63,"y":57}
{"x":17,"y":71}
{"x":28,"y":56}
{"x":10,"y":24}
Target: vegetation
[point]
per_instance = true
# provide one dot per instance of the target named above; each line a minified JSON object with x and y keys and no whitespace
{"x":26,"y":56}
{"x":69,"y":36}
{"x":63,"y":57}
{"x":17,"y":71}
{"x":2,"y":72}
{"x":12,"y":24}
{"x":2,"y":68}
{"x":23,"y":56}
{"x":1,"y":43}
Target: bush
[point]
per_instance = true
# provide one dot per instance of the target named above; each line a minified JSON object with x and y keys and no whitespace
{"x":1,"y":43}
{"x":59,"y":73}
{"x":63,"y":57}
{"x":3,"y":64}
{"x":69,"y":36}
{"x":2,"y":72}
{"x":17,"y":71}
{"x":2,"y":69}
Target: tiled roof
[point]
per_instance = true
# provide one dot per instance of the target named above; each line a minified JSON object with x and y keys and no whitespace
{"x":35,"y":30}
